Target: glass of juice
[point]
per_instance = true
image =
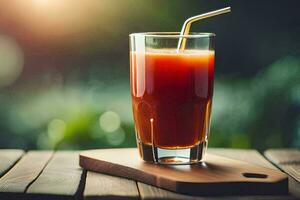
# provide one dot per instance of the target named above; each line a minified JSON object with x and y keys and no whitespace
{"x":172,"y":92}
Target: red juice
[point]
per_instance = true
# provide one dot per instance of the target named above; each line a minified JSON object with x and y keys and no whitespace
{"x":172,"y":96}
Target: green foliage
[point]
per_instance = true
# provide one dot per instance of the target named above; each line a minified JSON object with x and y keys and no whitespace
{"x":258,"y":113}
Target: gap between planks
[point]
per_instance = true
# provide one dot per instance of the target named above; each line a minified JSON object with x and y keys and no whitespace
{"x":61,"y":178}
{"x":288,"y":160}
{"x":14,"y":183}
{"x":8,"y":158}
{"x":44,"y":175}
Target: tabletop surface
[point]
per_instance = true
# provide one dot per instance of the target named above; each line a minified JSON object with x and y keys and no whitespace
{"x":57,"y":175}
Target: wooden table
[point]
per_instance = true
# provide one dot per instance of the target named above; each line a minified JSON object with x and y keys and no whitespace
{"x":57,"y":175}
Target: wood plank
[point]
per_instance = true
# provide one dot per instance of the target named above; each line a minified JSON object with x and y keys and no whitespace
{"x":8,"y":157}
{"x":283,"y":156}
{"x":217,"y":176}
{"x":289,"y":161}
{"x":61,"y":178}
{"x":246,"y":155}
{"x":15,"y":182}
{"x":101,"y":186}
{"x":148,"y":192}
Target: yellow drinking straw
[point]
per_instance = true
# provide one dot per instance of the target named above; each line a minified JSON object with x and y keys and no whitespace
{"x":187,"y":24}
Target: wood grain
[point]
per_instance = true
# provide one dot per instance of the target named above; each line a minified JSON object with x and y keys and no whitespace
{"x":8,"y":157}
{"x":149,"y":192}
{"x":246,"y":155}
{"x":284,"y":156}
{"x":15,"y":182}
{"x":61,"y":178}
{"x":101,"y":186}
{"x":218,"y":176}
{"x":289,"y":161}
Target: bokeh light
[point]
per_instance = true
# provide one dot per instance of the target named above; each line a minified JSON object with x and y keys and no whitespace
{"x":109,"y":121}
{"x":56,"y":130}
{"x":11,"y":60}
{"x":116,"y":138}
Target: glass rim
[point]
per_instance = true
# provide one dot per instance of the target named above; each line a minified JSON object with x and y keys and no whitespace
{"x":173,"y":34}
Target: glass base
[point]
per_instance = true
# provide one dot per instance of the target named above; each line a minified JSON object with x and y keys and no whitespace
{"x":173,"y":156}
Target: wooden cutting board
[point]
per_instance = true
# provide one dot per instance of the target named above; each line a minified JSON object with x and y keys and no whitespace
{"x":216,"y":176}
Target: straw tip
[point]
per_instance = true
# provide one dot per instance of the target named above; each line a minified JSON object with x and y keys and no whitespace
{"x":227,"y":8}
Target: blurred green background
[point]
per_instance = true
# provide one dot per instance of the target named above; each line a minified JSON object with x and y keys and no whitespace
{"x":64,"y":71}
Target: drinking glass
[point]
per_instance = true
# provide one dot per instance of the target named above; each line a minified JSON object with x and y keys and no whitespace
{"x":172,"y":90}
